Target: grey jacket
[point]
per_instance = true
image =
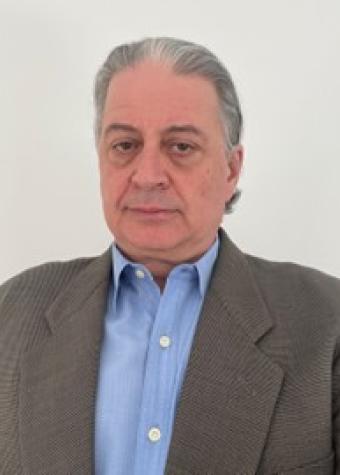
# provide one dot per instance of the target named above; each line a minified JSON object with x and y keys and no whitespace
{"x":261,"y":393}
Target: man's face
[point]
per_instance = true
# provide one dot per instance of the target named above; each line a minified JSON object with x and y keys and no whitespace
{"x":165,"y":177}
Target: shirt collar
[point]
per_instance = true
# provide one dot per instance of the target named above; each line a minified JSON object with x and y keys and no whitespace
{"x":203,"y":265}
{"x":119,"y":264}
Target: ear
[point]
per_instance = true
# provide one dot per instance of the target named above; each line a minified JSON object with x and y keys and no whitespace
{"x":235,"y":163}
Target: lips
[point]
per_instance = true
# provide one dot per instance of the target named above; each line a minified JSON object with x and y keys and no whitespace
{"x":151,"y":213}
{"x":151,"y":209}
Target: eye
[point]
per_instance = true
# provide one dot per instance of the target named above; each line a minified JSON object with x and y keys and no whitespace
{"x":124,"y":146}
{"x":181,"y":148}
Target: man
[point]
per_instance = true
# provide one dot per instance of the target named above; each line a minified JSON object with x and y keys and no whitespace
{"x":173,"y":352}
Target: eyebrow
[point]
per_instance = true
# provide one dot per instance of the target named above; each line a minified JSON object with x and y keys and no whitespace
{"x":181,"y":128}
{"x":185,"y":128}
{"x":119,"y":126}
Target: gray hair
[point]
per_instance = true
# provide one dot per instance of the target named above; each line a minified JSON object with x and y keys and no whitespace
{"x":185,"y":58}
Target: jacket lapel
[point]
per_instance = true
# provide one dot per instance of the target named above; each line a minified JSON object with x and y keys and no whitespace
{"x":58,"y":380}
{"x":231,"y":387}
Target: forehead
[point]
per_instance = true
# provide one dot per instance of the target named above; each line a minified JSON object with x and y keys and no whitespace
{"x":151,"y":93}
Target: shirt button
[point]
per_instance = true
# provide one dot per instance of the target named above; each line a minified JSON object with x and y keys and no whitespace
{"x":154,"y":434}
{"x":140,"y":274}
{"x":165,"y":341}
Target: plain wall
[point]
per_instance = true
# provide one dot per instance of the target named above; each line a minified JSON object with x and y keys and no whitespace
{"x":284,"y":58}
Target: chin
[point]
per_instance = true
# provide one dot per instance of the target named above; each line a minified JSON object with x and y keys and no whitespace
{"x":153,"y":240}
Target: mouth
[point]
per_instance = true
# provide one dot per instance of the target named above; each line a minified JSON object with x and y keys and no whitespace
{"x":152,"y":213}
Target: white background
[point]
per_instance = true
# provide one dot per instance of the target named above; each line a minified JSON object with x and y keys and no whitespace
{"x":284,"y":57}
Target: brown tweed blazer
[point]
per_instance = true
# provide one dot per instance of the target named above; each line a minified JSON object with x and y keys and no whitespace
{"x":262,"y":388}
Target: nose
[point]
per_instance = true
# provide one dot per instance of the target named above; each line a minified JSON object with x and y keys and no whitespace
{"x":150,"y":172}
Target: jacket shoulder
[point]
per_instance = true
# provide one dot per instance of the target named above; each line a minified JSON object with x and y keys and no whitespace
{"x":49,"y":278}
{"x":26,"y":297}
{"x":296,"y":284}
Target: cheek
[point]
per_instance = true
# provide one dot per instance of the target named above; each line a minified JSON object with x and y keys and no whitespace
{"x":206,"y":185}
{"x":113,"y":186}
{"x":107,"y":187}
{"x":213,"y":185}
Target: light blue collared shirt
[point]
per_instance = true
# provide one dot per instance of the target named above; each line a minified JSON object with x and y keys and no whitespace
{"x":145,"y":349}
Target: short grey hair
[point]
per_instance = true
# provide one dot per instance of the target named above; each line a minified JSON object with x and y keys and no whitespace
{"x":185,"y":58}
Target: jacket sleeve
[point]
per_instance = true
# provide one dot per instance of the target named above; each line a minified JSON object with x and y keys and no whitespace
{"x":9,"y":362}
{"x":336,"y":407}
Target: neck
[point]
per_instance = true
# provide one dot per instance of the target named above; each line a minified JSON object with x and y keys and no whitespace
{"x":160,"y":281}
{"x":159,"y":266}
